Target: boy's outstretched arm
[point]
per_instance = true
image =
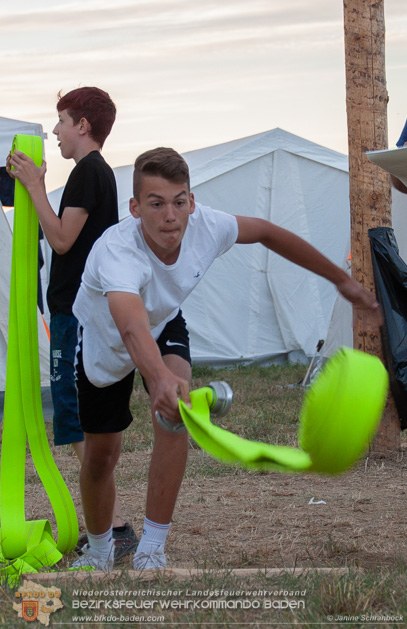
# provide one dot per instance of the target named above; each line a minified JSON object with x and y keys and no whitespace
{"x":297,"y":250}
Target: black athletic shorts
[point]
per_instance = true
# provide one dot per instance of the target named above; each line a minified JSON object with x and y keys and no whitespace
{"x":106,"y":409}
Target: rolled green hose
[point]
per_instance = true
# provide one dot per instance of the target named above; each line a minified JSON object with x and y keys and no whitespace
{"x":28,"y":546}
{"x":342,"y":410}
{"x":340,"y":414}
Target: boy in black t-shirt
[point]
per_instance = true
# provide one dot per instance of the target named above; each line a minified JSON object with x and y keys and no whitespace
{"x":88,"y":207}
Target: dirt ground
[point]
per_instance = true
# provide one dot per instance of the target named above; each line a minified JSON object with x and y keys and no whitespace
{"x":246,"y":519}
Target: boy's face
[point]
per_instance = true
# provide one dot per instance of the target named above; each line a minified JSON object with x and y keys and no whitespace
{"x":67,"y":134}
{"x":164,"y":208}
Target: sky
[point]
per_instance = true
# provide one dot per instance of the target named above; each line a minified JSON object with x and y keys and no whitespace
{"x":190,"y":74}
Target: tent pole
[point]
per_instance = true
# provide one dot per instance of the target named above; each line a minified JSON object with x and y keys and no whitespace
{"x":370,"y":194}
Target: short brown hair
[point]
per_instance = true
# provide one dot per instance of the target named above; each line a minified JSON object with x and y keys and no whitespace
{"x":93,"y":104}
{"x":160,"y":162}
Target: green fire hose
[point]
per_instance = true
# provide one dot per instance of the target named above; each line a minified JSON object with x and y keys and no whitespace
{"x":339,"y":417}
{"x":28,"y":546}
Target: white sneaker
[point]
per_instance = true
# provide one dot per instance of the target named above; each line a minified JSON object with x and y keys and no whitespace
{"x":152,"y":557}
{"x":92,"y":558}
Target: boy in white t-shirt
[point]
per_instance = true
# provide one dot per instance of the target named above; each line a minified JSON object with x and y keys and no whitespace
{"x":136,"y":278}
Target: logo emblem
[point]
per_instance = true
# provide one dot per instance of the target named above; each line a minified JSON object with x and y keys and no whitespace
{"x":171,"y":343}
{"x":35,"y":602}
{"x":30,"y":610}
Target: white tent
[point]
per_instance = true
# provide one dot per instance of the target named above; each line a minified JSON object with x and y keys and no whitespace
{"x":8,"y":129}
{"x":253,"y":305}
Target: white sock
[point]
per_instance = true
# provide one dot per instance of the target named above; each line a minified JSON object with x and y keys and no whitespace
{"x":154,"y":534}
{"x":102,"y":543}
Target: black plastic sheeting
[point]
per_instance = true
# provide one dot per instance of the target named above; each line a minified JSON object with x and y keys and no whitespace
{"x":390,"y":275}
{"x":6,"y":188}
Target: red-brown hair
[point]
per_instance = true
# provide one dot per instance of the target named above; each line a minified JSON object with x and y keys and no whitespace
{"x":93,"y":104}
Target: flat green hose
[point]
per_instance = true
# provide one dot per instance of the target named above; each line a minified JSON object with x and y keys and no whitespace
{"x":340,"y":414}
{"x":28,"y":546}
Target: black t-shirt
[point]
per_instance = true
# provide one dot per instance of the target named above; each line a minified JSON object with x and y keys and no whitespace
{"x":92,"y":186}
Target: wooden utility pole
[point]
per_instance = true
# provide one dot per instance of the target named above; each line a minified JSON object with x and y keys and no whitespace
{"x":370,"y":194}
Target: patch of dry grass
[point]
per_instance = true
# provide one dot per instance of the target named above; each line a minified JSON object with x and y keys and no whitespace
{"x":228,"y":517}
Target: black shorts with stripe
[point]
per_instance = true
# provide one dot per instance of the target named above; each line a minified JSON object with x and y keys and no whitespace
{"x":106,"y":409}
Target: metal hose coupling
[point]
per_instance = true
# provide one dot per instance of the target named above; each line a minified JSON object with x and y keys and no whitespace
{"x":222,"y":396}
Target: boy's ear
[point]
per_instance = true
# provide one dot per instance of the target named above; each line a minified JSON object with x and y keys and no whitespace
{"x":84,"y":126}
{"x":192,"y":201}
{"x":133,"y":207}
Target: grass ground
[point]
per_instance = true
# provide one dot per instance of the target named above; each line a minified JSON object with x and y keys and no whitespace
{"x":230,"y":518}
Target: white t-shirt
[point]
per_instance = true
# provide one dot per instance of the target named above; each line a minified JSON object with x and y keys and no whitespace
{"x":121,"y":260}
